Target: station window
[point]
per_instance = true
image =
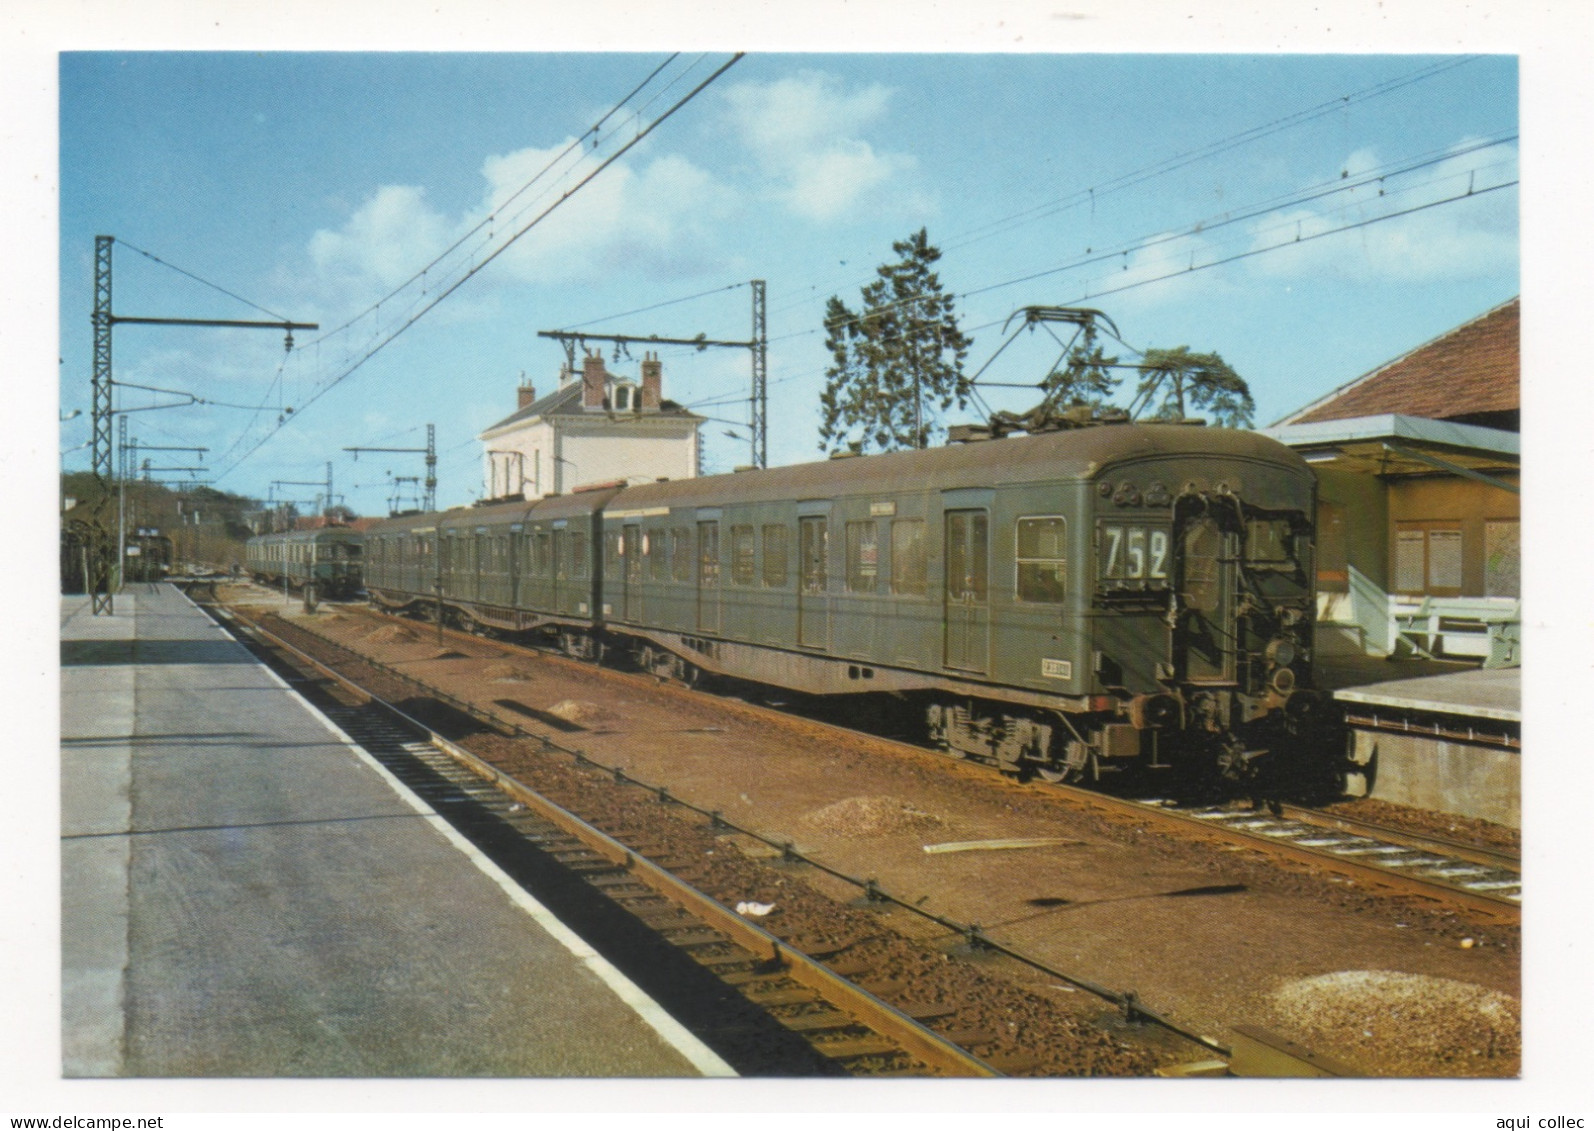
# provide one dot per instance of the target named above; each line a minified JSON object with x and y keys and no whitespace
{"x":1042,"y":557}
{"x":1502,"y":558}
{"x":863,"y":556}
{"x":776,"y":548}
{"x":743,"y":563}
{"x":1428,"y":558}
{"x":909,"y":561}
{"x":1333,"y":548}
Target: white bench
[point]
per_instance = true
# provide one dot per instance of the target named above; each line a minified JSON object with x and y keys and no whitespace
{"x":1487,"y":628}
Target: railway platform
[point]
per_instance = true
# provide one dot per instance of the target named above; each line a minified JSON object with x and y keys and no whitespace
{"x":1439,"y":736}
{"x":245,"y":893}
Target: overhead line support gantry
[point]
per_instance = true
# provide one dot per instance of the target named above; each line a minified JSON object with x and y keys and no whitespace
{"x":758,"y":344}
{"x":103,"y":319}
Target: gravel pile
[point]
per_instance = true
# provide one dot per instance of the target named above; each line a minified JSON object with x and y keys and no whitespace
{"x":871,"y":816}
{"x":576,"y":711}
{"x":1393,"y":1024}
{"x":391,"y":634}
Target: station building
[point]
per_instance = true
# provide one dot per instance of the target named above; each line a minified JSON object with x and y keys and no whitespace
{"x":596,"y":427}
{"x":1419,"y":560}
{"x":1419,"y":543}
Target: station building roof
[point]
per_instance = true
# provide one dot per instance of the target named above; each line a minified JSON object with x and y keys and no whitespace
{"x":1470,"y":374}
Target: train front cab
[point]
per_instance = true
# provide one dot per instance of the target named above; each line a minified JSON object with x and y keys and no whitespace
{"x":1202,"y":605}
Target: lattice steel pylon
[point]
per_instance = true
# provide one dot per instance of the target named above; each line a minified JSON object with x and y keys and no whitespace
{"x":758,"y":345}
{"x":99,"y":579}
{"x":760,"y":393}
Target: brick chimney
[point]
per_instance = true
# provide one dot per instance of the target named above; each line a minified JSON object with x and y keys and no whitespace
{"x":527,"y":392}
{"x":652,"y":382}
{"x":594,"y":380}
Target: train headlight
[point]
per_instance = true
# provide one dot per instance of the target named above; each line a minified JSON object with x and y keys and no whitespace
{"x":1281,"y":653}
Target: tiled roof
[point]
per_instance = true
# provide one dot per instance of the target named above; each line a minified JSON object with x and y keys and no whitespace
{"x":1472,"y":369}
{"x":564,"y":395}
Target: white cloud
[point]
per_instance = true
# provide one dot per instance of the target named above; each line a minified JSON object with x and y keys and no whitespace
{"x":1457,"y":236}
{"x":802,"y":131}
{"x":655,"y":219}
{"x":387,"y":239}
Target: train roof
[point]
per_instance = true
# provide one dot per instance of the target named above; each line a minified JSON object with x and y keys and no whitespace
{"x":1074,"y":454}
{"x":312,"y":535}
{"x":1078,"y":454}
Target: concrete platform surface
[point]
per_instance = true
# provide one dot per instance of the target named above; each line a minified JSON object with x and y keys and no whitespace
{"x":1474,"y":693}
{"x":245,"y":893}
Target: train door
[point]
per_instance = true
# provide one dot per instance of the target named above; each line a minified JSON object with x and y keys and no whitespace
{"x":813,"y":586}
{"x":631,"y":564}
{"x":968,"y":571}
{"x":708,"y":577}
{"x":559,"y":567}
{"x":1203,"y":640}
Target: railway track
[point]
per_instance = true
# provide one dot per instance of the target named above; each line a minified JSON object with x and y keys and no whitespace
{"x":1396,"y":862}
{"x":846,"y":1027}
{"x":1479,"y":879}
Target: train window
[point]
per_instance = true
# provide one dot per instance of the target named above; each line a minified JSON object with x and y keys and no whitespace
{"x":909,"y":563}
{"x":541,"y":559}
{"x":814,"y":532}
{"x":863,"y":556}
{"x":968,"y":555}
{"x":681,"y":559}
{"x":613,"y":551}
{"x":708,"y":557}
{"x":1203,"y":546}
{"x":743,"y":561}
{"x":580,"y":566}
{"x":1042,"y":556}
{"x":656,"y":544}
{"x":776,"y":547}
{"x":1267,"y":542}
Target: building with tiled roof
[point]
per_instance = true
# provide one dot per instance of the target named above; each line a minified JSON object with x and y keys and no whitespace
{"x":1419,"y":543}
{"x":1469,"y":375}
{"x":596,"y":427}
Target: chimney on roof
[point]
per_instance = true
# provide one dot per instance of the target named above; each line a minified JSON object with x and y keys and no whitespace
{"x":527,"y":391}
{"x":652,"y":382}
{"x":594,"y":380}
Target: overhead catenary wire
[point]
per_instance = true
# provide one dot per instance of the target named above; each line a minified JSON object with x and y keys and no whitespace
{"x":510,"y":241}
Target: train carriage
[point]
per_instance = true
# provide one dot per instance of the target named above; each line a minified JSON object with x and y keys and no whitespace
{"x":1066,"y":604}
{"x":331,"y":558}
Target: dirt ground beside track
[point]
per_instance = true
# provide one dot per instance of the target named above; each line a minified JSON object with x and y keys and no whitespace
{"x":1210,"y":938}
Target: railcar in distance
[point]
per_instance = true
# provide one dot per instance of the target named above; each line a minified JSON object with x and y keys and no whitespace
{"x":331,"y":558}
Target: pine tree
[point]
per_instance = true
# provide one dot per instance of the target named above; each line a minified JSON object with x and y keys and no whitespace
{"x":1085,"y":376}
{"x":1185,"y":381}
{"x":897,"y":363}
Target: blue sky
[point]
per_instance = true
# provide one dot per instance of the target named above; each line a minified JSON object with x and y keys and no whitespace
{"x":314,"y":184}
